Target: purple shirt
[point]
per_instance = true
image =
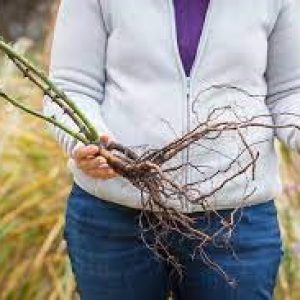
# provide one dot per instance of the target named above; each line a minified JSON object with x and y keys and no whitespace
{"x":190,"y":16}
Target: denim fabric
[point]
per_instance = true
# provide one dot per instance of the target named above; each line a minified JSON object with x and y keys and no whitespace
{"x":110,"y":262}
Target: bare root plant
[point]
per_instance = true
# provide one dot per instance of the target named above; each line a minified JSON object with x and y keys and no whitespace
{"x":149,"y":172}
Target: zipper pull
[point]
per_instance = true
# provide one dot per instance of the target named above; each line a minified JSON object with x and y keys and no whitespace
{"x":188,"y":84}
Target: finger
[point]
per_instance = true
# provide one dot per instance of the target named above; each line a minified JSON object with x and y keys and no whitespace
{"x":91,"y":163}
{"x":105,"y":139}
{"x":108,"y":174}
{"x":105,"y":168}
{"x":85,"y":151}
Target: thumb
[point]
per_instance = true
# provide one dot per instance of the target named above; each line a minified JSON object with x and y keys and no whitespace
{"x":105,"y":139}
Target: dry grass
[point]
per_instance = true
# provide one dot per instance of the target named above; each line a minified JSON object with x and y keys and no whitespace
{"x":288,"y":286}
{"x":34,"y":184}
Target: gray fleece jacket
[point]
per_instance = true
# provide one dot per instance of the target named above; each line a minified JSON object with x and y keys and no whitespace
{"x":119,"y":61}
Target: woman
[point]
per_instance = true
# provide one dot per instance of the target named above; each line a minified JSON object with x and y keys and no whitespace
{"x":146,"y":72}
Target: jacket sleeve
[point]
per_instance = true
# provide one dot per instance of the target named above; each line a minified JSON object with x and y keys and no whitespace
{"x":283,"y":73}
{"x":77,"y":65}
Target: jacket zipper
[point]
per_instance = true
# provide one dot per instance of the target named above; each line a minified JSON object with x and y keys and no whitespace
{"x":188,"y":122}
{"x":187,"y":80}
{"x":188,"y":90}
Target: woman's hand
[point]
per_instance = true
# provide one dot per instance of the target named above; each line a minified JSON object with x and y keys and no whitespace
{"x":95,"y":166}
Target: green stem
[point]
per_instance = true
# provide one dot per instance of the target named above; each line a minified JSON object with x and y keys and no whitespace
{"x":13,"y":55}
{"x":56,"y":100}
{"x":14,"y":102}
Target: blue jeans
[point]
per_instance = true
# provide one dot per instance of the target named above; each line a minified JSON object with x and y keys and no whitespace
{"x":110,"y":262}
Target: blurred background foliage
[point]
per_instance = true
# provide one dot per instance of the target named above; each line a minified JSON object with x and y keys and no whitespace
{"x":34,"y":180}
